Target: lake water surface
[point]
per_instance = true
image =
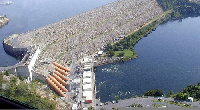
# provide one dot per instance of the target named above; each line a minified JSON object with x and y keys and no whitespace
{"x":26,"y":15}
{"x":169,"y":59}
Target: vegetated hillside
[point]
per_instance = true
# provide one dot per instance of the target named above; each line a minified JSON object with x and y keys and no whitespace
{"x":180,"y":8}
{"x":34,"y":93}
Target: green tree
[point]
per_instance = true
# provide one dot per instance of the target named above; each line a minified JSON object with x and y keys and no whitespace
{"x":182,"y":96}
{"x":22,"y":89}
{"x":1,"y":78}
{"x":108,"y":47}
{"x":170,"y":94}
{"x":91,"y":108}
{"x":12,"y":86}
{"x":25,"y":93}
{"x":121,"y":54}
{"x":7,"y":73}
{"x":149,"y":93}
{"x":158,"y":92}
{"x":111,"y":53}
{"x":139,"y":106}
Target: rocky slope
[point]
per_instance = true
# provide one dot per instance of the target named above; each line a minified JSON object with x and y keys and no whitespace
{"x":86,"y":33}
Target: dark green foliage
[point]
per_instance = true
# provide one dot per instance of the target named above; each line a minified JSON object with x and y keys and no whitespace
{"x":136,"y":105}
{"x":1,"y":78}
{"x":149,"y":93}
{"x":192,"y":91}
{"x":157,"y":92}
{"x":91,"y":108}
{"x":24,"y":92}
{"x":140,"y":106}
{"x":128,"y":42}
{"x":178,"y":10}
{"x":21,"y":78}
{"x":181,"y":8}
{"x":110,"y":53}
{"x":182,"y":96}
{"x":170,"y":94}
{"x":108,"y":47}
{"x":189,"y":91}
{"x":6,"y":73}
{"x":121,"y":54}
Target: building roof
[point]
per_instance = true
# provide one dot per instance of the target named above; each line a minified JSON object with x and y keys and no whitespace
{"x":87,"y":80}
{"x":87,"y":86}
{"x":87,"y":94}
{"x":74,"y":107}
{"x":86,"y":60}
{"x":87,"y":68}
{"x":77,"y":80}
{"x":100,"y":52}
{"x":87,"y":74}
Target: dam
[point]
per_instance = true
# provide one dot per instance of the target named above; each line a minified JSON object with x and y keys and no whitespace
{"x":72,"y":39}
{"x":86,"y":33}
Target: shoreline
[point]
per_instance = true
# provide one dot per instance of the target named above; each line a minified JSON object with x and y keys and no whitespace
{"x":3,"y":21}
{"x":103,"y":60}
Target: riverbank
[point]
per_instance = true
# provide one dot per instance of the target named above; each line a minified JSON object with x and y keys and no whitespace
{"x":3,"y":21}
{"x":123,"y":50}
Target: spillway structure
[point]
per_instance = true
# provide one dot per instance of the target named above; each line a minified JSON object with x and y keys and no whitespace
{"x":58,"y":80}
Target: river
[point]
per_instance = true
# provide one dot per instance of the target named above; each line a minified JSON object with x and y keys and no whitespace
{"x":169,"y":59}
{"x":26,"y":15}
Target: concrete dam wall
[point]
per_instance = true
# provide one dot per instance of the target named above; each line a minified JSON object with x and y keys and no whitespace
{"x":29,"y":57}
{"x":86,"y":33}
{"x":17,"y":52}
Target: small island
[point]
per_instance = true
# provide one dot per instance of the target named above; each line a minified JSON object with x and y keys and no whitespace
{"x":3,"y":21}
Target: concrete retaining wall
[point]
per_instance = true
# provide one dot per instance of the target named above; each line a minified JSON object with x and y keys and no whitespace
{"x":17,"y":52}
{"x":23,"y":71}
{"x":24,"y":68}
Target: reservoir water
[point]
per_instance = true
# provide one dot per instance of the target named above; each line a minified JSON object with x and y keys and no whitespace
{"x":169,"y":59}
{"x":26,"y":15}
